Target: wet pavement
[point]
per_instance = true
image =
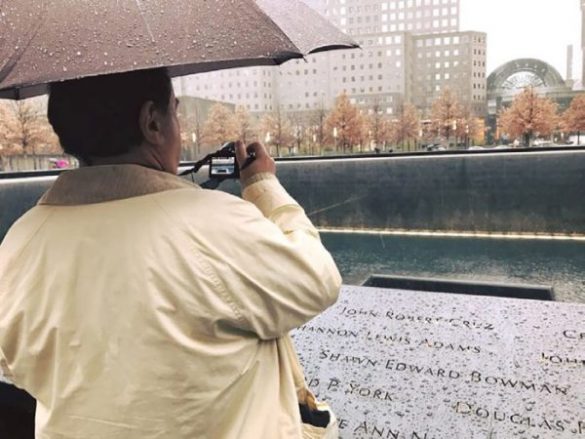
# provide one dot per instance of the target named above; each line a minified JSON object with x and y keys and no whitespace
{"x":560,"y":264}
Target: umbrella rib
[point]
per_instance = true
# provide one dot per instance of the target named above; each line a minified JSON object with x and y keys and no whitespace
{"x":145,"y":21}
{"x":279,"y":28}
{"x":10,"y":64}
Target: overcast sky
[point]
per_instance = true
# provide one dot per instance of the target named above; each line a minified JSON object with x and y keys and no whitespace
{"x":527,"y":29}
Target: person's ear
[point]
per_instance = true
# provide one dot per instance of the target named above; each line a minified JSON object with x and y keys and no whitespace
{"x":149,"y":122}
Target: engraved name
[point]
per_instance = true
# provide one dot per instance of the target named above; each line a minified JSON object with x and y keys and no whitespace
{"x":344,"y":358}
{"x":329,"y":331}
{"x":392,"y":338}
{"x":562,"y":359}
{"x":479,"y":378}
{"x":425,"y":342}
{"x":371,"y":430}
{"x":521,"y":419}
{"x":573,"y":334}
{"x":420,"y":319}
{"x":352,"y":388}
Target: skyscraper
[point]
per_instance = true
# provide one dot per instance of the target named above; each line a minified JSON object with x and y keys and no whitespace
{"x":410,"y":51}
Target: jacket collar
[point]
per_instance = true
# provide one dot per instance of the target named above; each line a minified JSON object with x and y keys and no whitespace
{"x":99,"y":184}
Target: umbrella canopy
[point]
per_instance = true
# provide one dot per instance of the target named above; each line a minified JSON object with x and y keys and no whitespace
{"x":44,"y":41}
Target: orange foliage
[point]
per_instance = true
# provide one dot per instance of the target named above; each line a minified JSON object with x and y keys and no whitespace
{"x":445,"y":112}
{"x":24,"y":129}
{"x":574,"y":116}
{"x":275,"y":129}
{"x":469,"y":127}
{"x":407,"y":126}
{"x":529,"y":116}
{"x":219,"y":127}
{"x":245,"y":125}
{"x":379,"y":127}
{"x":345,"y":125}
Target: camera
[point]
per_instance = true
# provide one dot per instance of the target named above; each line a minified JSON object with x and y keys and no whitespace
{"x":223,"y":164}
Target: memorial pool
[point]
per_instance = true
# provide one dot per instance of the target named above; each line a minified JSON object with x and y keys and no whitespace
{"x":556,"y":263}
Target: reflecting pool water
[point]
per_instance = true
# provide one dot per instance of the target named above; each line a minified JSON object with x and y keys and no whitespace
{"x":560,"y":264}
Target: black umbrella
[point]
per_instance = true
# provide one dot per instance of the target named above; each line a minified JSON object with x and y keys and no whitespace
{"x":44,"y":41}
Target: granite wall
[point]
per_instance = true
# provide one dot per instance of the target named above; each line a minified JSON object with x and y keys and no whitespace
{"x":500,"y":192}
{"x":526,"y":192}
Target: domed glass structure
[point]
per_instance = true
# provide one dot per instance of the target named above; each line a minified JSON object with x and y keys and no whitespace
{"x":521,"y":73}
{"x":504,"y":83}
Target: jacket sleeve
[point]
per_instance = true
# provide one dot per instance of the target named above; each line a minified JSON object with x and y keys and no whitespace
{"x":278,"y":275}
{"x":5,"y":375}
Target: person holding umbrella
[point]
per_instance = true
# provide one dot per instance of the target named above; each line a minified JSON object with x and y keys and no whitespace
{"x":135,"y":304}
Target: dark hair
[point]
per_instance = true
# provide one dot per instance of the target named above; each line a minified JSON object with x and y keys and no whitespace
{"x":98,"y":116}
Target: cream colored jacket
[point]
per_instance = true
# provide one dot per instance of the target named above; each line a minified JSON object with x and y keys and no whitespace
{"x":136,"y":305}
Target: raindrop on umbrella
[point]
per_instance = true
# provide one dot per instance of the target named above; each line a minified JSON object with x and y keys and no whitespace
{"x":163,"y":41}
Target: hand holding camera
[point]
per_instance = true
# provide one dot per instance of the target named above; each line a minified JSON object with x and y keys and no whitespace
{"x":235,"y":160}
{"x":253,"y":159}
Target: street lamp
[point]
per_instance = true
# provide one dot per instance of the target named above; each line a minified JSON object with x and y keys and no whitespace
{"x":267,"y":140}
{"x":194,"y":143}
{"x":335,"y":137}
{"x":298,"y":138}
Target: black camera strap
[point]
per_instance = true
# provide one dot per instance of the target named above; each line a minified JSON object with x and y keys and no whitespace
{"x":227,"y":150}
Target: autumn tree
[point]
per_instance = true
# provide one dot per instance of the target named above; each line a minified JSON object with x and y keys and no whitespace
{"x":528,"y":116}
{"x":445,"y":112}
{"x":317,"y":126}
{"x":345,"y":124}
{"x":30,"y":131}
{"x":7,"y":129}
{"x":7,"y":144}
{"x":220,"y":126}
{"x":24,"y":129}
{"x":192,"y":120}
{"x":407,"y":126}
{"x":301,"y":132}
{"x":574,"y":117}
{"x":245,"y":124}
{"x":276,"y":130}
{"x":378,"y":126}
{"x":468,"y":126}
